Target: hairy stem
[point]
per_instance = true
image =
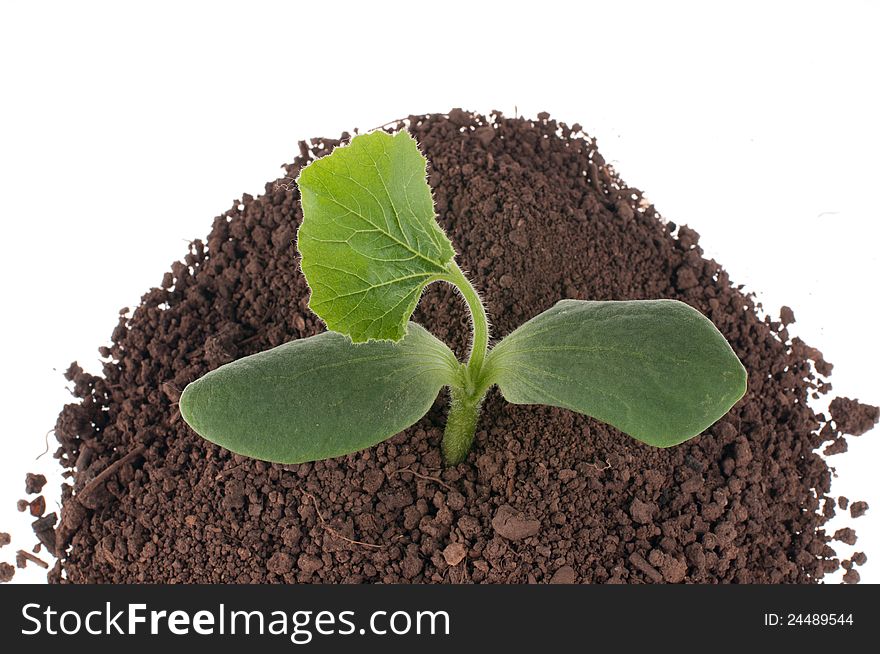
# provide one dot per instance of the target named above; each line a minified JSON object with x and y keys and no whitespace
{"x":479,"y":320}
{"x":461,"y":425}
{"x":465,"y":398}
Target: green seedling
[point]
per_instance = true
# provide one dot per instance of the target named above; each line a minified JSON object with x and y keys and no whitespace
{"x":657,"y":370}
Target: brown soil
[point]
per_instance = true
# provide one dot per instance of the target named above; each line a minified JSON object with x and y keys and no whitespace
{"x":33,"y":484}
{"x":7,"y":572}
{"x":546,"y":495}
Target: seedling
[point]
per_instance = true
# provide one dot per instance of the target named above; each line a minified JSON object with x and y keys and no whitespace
{"x":657,"y":370}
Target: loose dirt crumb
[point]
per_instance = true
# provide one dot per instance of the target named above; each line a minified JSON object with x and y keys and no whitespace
{"x":454,"y":553}
{"x":858,"y":509}
{"x":851,"y":577}
{"x":853,"y":417}
{"x":838,"y":446}
{"x":846,"y":535}
{"x":7,"y":572}
{"x":309,"y":564}
{"x":38,"y":506}
{"x":786,"y":316}
{"x":640,"y":564}
{"x":642,"y":512}
{"x":373,"y":480}
{"x":280,"y":563}
{"x":514,"y":525}
{"x":564,"y":575}
{"x":44,"y":529}
{"x":33,"y":484}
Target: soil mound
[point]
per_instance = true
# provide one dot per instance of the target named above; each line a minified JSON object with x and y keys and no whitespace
{"x":545,"y":495}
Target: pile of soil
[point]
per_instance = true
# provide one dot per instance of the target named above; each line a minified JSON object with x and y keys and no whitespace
{"x":546,"y":495}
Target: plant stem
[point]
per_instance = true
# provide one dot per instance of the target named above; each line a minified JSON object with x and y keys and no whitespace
{"x":461,"y":425}
{"x":479,"y":320}
{"x":465,"y":399}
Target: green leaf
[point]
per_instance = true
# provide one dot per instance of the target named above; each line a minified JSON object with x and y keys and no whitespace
{"x":369,"y":241}
{"x":656,"y":369}
{"x":319,"y":397}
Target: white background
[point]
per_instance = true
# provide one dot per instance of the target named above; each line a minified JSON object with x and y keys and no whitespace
{"x":124,"y":129}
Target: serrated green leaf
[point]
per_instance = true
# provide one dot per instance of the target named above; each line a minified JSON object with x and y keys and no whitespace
{"x":657,"y":370}
{"x":319,"y":397}
{"x":369,"y":240}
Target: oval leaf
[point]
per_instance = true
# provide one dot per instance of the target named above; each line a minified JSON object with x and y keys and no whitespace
{"x":369,"y":241}
{"x":319,"y":397}
{"x":657,"y":370}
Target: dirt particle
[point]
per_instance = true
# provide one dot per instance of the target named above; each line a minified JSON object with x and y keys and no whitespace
{"x":485,"y":134}
{"x":514,"y":525}
{"x":846,"y":535}
{"x":639,"y":563}
{"x":687,"y":237}
{"x":38,"y":506}
{"x":672,"y":569}
{"x":853,"y":417}
{"x":460,"y":118}
{"x":837,"y":446}
{"x":5,"y":539}
{"x":373,"y":480}
{"x":44,"y":529}
{"x":454,"y":553}
{"x":564,"y":575}
{"x":519,"y":238}
{"x":7,"y":572}
{"x":412,"y":563}
{"x":280,"y":563}
{"x":858,"y":509}
{"x":786,"y":316}
{"x":685,"y":278}
{"x":309,"y":564}
{"x":851,"y":576}
{"x":33,"y":484}
{"x":567,"y":474}
{"x":642,"y":512}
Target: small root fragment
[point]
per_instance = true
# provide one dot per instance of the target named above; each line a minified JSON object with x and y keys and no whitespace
{"x":335,"y":533}
{"x":46,"y":451}
{"x":22,"y":555}
{"x":602,"y":469}
{"x":229,"y":471}
{"x":436,"y":480}
{"x":109,"y":471}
